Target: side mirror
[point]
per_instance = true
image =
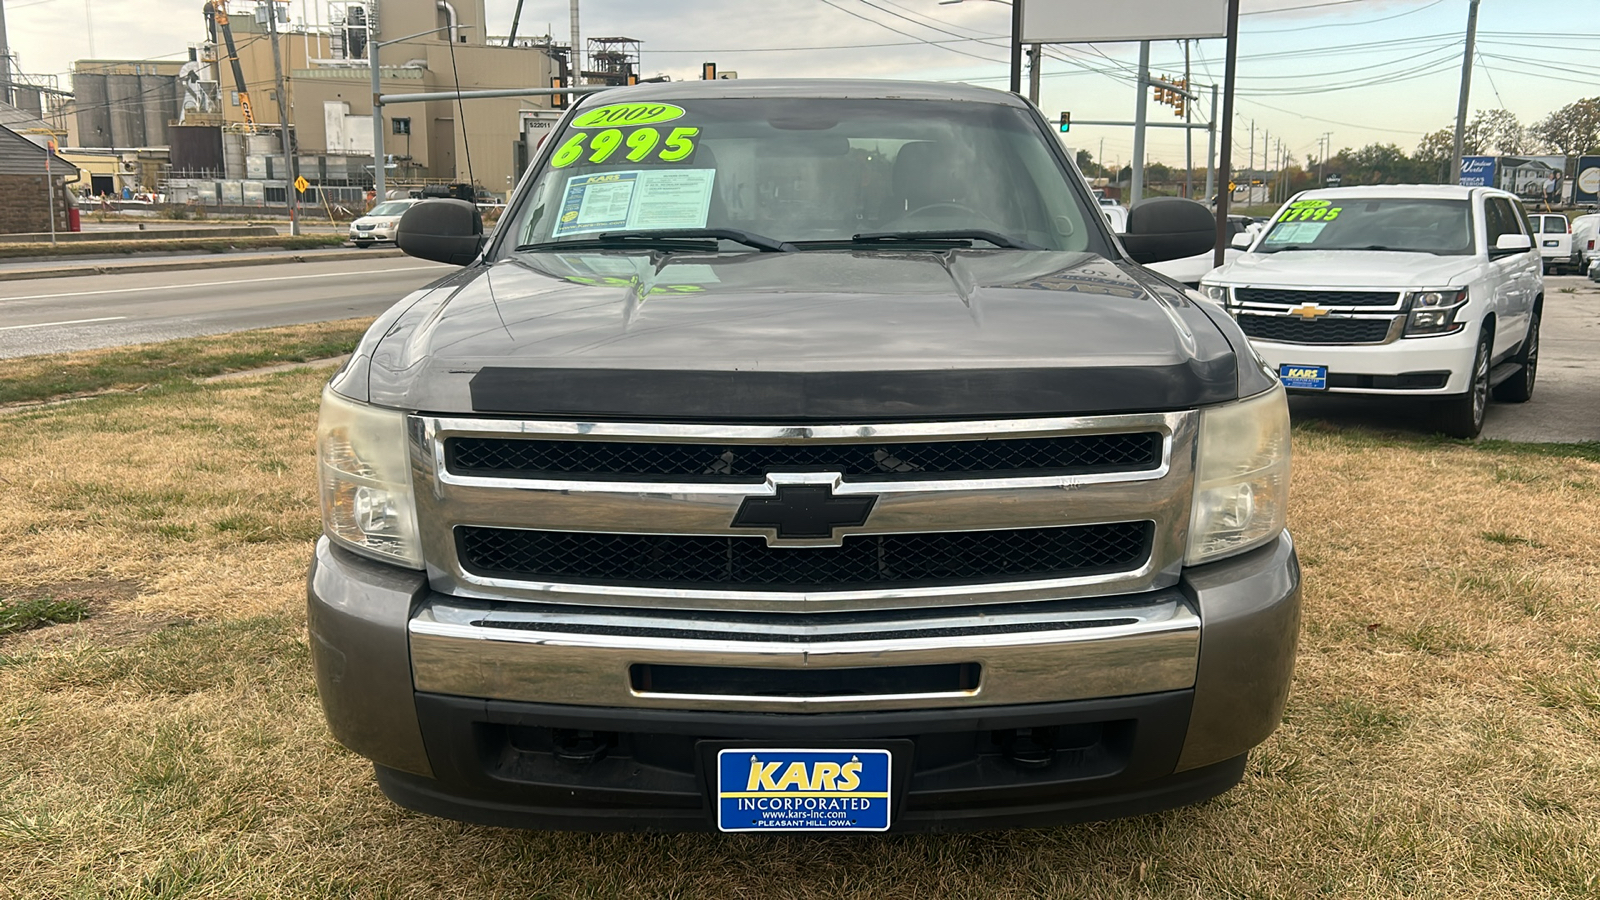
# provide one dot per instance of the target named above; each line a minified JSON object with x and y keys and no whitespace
{"x":1164,"y":228}
{"x":1511,"y":243}
{"x":1243,"y":240}
{"x":447,"y":231}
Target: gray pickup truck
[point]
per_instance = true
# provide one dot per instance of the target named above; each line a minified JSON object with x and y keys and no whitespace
{"x":803,"y":455}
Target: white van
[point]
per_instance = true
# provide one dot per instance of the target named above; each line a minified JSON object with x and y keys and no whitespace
{"x":1585,"y":252}
{"x":1554,"y":237}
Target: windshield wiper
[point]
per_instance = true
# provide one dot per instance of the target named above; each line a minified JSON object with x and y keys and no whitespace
{"x":687,"y":239}
{"x":963,"y":236}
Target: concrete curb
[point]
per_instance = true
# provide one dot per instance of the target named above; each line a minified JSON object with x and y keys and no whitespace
{"x":222,"y":261}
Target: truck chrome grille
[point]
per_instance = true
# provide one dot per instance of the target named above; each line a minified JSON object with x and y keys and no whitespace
{"x":747,"y":563}
{"x":1283,"y":297}
{"x":1326,"y":330}
{"x":694,"y":462}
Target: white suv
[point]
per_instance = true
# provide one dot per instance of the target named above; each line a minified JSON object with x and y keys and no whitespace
{"x":1404,"y":290}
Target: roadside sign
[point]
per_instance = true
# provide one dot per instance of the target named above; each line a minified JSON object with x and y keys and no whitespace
{"x":1477,"y":171}
{"x":300,"y":184}
{"x":1588,"y":181}
{"x":1334,"y":180}
{"x":1080,"y":21}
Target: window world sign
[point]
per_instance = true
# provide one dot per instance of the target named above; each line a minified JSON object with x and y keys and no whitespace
{"x":1077,"y":21}
{"x":1477,"y":171}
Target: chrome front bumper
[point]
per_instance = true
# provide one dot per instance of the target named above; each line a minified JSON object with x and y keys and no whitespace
{"x":1026,"y":653}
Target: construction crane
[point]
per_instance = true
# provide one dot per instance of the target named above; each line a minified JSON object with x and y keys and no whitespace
{"x":217,"y":12}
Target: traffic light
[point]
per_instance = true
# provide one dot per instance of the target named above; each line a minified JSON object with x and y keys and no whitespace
{"x":708,"y":72}
{"x":1161,"y":93}
{"x":1066,"y":122}
{"x":557,"y":101}
{"x":1180,"y":101}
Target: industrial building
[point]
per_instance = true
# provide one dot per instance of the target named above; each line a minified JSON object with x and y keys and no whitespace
{"x":220,"y":128}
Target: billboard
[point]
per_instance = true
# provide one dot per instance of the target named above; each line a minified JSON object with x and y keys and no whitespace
{"x":1079,"y":21}
{"x":1537,"y":179}
{"x":1477,"y":171}
{"x":1586,"y":187}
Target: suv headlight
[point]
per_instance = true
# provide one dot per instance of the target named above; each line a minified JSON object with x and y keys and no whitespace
{"x":1216,"y":293}
{"x":365,"y":477}
{"x":1241,"y":487}
{"x":1433,"y":312}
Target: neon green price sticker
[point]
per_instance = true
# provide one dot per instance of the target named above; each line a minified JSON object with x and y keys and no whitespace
{"x":626,"y":115}
{"x":1313,"y":211}
{"x":636,"y":146}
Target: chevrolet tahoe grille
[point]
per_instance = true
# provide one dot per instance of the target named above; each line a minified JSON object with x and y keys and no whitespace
{"x":735,"y":563}
{"x":1293,"y":330}
{"x":1285,"y":297}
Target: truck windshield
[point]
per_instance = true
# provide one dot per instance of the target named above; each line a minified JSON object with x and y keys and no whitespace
{"x":804,"y":173}
{"x":1408,"y":225}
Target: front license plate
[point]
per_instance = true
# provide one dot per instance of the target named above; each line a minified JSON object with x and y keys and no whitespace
{"x":766,"y":789}
{"x":1305,"y":378}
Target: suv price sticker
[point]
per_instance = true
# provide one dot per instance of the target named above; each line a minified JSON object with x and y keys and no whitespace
{"x":1304,"y":378}
{"x":802,"y":790}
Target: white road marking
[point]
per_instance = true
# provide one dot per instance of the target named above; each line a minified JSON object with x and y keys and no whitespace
{"x":67,"y":322}
{"x":168,"y":287}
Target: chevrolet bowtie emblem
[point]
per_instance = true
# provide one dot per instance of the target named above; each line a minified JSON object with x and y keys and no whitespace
{"x":803,"y":512}
{"x":1309,"y":311}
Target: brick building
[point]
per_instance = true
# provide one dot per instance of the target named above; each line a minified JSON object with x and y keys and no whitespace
{"x":25,"y":197}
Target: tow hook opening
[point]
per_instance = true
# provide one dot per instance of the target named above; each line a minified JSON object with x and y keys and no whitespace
{"x":581,"y":748}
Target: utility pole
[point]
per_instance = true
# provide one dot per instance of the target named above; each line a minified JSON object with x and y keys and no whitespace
{"x":1188,"y":134}
{"x":1140,"y":116}
{"x":577,"y":50}
{"x":1250,"y":171}
{"x":1035,"y":57}
{"x":5,"y":58}
{"x":1323,"y":144}
{"x":283,"y":122}
{"x":1211,"y":148}
{"x":1466,"y":89}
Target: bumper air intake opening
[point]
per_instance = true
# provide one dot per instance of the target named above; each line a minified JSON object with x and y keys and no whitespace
{"x":728,"y":681}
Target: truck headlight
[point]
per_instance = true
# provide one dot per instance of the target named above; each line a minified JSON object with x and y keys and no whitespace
{"x":1241,"y":487}
{"x":1216,"y":293}
{"x":1433,"y":312}
{"x":365,"y":479}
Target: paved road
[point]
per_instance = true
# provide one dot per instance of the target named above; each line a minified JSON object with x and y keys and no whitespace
{"x":199,"y":259}
{"x":1566,"y":398}
{"x":112,"y":310}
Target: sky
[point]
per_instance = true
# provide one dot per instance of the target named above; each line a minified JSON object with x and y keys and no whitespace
{"x":1358,"y":71}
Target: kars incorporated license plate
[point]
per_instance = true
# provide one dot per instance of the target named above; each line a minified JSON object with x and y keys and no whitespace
{"x":1305,"y":378}
{"x":802,"y":790}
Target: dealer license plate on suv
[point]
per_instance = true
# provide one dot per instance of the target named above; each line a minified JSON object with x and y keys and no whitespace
{"x":1305,"y":378}
{"x":767,"y":789}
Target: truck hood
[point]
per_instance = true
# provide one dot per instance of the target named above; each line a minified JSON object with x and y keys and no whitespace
{"x":1345,"y":269}
{"x":833,"y":335}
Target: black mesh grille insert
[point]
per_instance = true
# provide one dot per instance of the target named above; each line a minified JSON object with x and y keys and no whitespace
{"x":1295,"y":330}
{"x":747,"y":563}
{"x":524,"y":458}
{"x":1321,"y":298}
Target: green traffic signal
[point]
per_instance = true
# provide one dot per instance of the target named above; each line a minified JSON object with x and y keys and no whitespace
{"x":1066,"y":122}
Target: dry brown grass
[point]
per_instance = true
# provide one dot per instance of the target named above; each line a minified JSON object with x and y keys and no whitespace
{"x":1443,"y":739}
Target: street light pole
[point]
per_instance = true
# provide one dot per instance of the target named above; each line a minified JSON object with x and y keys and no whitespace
{"x":378,"y":185}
